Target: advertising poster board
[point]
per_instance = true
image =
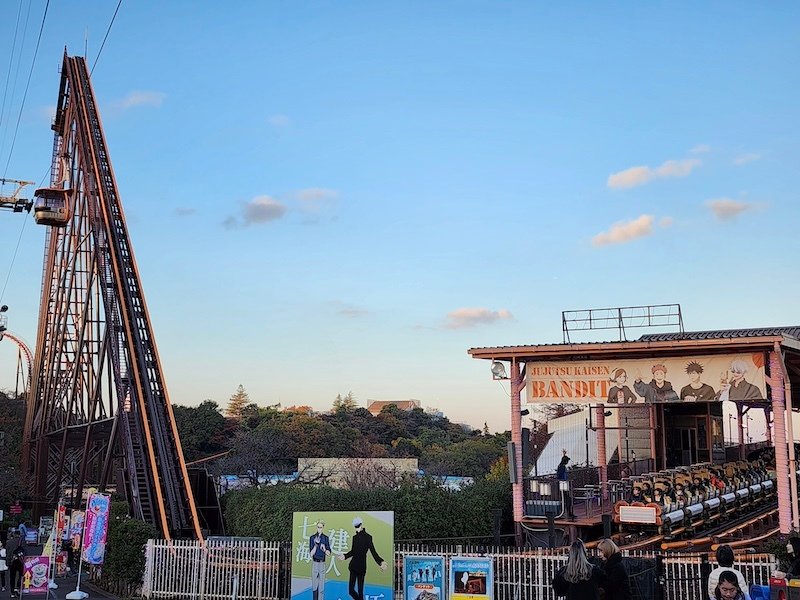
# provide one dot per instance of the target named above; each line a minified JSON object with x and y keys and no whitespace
{"x":94,"y":548}
{"x":471,"y":578}
{"x":334,"y":551}
{"x":35,"y":575}
{"x":423,"y":577}
{"x":76,"y":528}
{"x":716,"y":378}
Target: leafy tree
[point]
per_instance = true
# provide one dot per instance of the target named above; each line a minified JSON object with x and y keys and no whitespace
{"x":237,"y":402}
{"x":202,"y":429}
{"x":12,"y":418}
{"x":344,"y":404}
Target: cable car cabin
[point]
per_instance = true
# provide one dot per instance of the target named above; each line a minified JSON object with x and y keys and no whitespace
{"x":51,"y":207}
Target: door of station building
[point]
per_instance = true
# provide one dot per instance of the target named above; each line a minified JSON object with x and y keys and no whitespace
{"x":686,"y":444}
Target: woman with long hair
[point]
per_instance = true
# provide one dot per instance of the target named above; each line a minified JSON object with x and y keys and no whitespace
{"x":579,"y":579}
{"x":617,"y":585}
{"x":728,"y":587}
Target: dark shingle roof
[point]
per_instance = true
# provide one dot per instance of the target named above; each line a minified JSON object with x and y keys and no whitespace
{"x":792,"y":331}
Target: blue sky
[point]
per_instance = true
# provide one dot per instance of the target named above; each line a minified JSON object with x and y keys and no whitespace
{"x":331,"y":196}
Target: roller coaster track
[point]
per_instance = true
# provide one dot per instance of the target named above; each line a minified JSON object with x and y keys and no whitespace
{"x":100,"y":410}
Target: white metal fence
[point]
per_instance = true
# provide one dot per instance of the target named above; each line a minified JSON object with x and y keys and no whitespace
{"x":257,"y":570}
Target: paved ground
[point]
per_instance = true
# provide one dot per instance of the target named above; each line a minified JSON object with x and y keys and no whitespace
{"x":65,"y":586}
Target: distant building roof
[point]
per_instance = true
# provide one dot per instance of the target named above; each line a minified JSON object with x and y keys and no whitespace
{"x":376,"y":406}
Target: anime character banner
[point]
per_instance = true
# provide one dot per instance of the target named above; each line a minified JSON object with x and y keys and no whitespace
{"x":736,"y":377}
{"x":96,"y":528}
{"x":471,"y":578}
{"x":423,"y":577}
{"x":343,"y":554}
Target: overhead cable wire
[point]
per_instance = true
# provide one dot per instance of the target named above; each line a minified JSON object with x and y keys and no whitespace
{"x":10,"y":63}
{"x":16,"y":249}
{"x":27,"y":86}
{"x":10,"y":100}
{"x":99,"y":52}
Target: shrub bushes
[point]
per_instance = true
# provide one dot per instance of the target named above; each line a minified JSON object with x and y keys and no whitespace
{"x":423,"y":510}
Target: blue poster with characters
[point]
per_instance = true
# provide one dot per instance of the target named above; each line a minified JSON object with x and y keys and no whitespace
{"x":423,"y":577}
{"x":343,"y":555}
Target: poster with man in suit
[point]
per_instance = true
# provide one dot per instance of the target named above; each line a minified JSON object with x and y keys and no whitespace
{"x":356,"y":561}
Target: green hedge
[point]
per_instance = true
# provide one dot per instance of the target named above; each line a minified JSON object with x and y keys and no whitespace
{"x":423,"y":510}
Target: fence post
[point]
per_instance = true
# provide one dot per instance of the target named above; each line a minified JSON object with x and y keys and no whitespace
{"x":705,"y":571}
{"x":551,"y":529}
{"x":659,"y":591}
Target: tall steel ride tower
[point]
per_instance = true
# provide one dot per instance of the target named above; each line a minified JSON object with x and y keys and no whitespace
{"x":99,"y":412}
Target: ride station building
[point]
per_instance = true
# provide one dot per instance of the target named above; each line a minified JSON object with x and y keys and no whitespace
{"x":667,"y":411}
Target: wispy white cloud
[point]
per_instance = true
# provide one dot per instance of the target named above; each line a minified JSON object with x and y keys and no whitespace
{"x":743,"y":159}
{"x":349,"y":311}
{"x":315,"y":194}
{"x":261,"y":209}
{"x":461,"y":318}
{"x":625,"y":231}
{"x":726,"y":209}
{"x":636,"y":176}
{"x":140,"y":98}
{"x":700,"y":149}
{"x":279,"y":121}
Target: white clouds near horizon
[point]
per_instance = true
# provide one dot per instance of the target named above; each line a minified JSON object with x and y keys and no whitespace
{"x":640,"y":175}
{"x":462,"y":318}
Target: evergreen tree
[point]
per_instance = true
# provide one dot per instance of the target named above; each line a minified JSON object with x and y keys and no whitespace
{"x":237,"y":403}
{"x":344,"y":403}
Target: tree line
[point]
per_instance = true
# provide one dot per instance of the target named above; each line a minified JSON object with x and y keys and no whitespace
{"x":265,"y":440}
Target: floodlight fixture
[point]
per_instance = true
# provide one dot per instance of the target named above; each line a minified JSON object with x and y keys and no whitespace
{"x":499,"y":370}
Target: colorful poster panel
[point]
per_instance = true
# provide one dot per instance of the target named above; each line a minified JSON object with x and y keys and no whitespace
{"x":735,"y":377}
{"x":471,"y":578}
{"x":35,"y":575}
{"x":423,"y":577}
{"x":335,"y":552}
{"x":97,"y":509}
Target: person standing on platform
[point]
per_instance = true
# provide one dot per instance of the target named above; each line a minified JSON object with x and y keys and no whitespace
{"x":725,"y":561}
{"x":618,"y":585}
{"x":320,"y":548}
{"x":563,"y":476}
{"x":580,"y":579}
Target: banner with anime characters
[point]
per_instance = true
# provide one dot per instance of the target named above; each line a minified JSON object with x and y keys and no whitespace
{"x":737,"y":377}
{"x":423,"y":578}
{"x":342,"y":555}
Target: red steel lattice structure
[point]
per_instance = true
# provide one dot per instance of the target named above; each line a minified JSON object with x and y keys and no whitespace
{"x":99,"y":405}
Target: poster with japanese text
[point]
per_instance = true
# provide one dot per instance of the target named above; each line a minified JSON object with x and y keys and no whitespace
{"x":471,"y":578}
{"x":717,"y":378}
{"x":94,"y":548}
{"x":341,"y":555}
{"x":423,"y":577}
{"x":35,"y":574}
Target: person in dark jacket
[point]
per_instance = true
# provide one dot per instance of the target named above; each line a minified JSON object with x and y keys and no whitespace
{"x":617,"y":586}
{"x":563,"y":475}
{"x":793,"y":549}
{"x":362,"y":543}
{"x":580,"y":579}
{"x":15,"y":557}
